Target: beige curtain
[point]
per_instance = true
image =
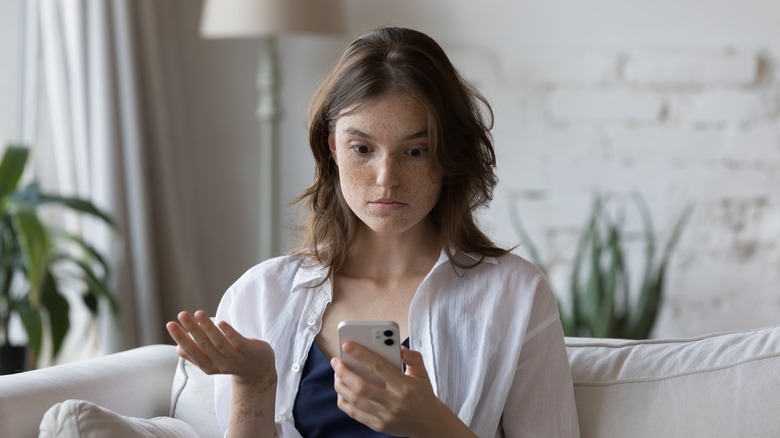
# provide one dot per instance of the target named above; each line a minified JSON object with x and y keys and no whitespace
{"x":116,"y":135}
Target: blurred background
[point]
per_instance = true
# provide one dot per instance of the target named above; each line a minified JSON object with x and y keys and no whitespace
{"x":676,"y":100}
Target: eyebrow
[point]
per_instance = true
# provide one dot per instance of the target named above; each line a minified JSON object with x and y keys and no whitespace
{"x":359,"y":133}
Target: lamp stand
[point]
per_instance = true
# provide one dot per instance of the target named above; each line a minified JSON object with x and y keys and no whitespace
{"x":267,"y":115}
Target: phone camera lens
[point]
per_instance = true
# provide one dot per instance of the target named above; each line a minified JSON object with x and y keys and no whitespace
{"x":388,"y":333}
{"x":389,"y":341}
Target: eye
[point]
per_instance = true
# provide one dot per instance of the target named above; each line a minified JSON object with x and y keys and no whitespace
{"x":417,"y":152}
{"x":360,"y":148}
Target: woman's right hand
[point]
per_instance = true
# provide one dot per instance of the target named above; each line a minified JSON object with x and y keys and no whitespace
{"x":221,"y":350}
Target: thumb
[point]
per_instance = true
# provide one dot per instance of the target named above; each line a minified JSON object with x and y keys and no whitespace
{"x":414,"y":363}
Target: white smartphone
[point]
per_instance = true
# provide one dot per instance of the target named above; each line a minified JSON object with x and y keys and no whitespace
{"x":381,"y":337}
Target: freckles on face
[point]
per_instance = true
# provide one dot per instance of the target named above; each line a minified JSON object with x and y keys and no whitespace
{"x":383,"y":156}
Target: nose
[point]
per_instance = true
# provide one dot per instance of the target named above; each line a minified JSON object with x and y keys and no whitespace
{"x":388,"y":171}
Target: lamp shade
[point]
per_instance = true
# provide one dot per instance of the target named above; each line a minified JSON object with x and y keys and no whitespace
{"x":256,"y":18}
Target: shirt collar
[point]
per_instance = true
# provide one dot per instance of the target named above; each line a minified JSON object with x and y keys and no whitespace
{"x":309,"y":276}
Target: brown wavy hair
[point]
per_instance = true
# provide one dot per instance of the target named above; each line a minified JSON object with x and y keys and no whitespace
{"x":392,"y":59}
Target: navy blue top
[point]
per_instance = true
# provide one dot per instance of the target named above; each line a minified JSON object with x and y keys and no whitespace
{"x":315,"y":410}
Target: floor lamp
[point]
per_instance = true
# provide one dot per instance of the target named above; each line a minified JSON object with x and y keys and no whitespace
{"x":265,"y":19}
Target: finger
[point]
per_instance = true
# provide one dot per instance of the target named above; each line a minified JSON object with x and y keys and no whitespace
{"x":367,"y":404}
{"x":355,"y":392}
{"x":186,"y":347}
{"x":194,"y":328}
{"x":414,"y":363}
{"x":200,"y":349}
{"x":374,"y":362}
{"x":216,"y":338}
{"x":349,"y":383}
{"x":180,"y":336}
{"x":358,"y":414}
{"x":236,"y":339}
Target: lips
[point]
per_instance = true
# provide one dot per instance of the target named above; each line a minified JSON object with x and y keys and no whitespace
{"x":386,"y":201}
{"x":387,"y":204}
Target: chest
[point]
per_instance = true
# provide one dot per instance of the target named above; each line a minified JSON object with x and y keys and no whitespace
{"x":355,"y":299}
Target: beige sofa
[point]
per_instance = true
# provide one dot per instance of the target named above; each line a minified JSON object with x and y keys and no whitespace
{"x":721,"y":385}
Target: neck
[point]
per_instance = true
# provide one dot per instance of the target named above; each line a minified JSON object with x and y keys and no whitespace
{"x":382,"y":256}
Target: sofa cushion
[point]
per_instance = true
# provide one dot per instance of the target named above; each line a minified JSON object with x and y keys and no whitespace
{"x":192,"y":399}
{"x":82,"y":419}
{"x":724,"y":384}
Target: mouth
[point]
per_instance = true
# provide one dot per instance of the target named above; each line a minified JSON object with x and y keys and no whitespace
{"x":386,"y":203}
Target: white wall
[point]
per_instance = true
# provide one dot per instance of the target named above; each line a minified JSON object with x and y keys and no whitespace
{"x":678,"y":100}
{"x":11,"y":33}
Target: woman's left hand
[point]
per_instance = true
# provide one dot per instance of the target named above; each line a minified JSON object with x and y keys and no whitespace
{"x":406,"y":406}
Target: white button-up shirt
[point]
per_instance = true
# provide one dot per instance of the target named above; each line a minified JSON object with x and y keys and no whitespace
{"x":490,"y":338}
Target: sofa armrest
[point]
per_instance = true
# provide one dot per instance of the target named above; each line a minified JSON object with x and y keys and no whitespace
{"x":135,"y":382}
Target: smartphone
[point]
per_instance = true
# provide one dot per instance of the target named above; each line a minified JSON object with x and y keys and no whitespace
{"x":381,"y":337}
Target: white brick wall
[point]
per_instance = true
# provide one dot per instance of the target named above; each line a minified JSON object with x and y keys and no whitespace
{"x":594,"y":96}
{"x":679,"y":126}
{"x":723,"y":106}
{"x":558,"y":67}
{"x":691,"y":68}
{"x":604,"y":105}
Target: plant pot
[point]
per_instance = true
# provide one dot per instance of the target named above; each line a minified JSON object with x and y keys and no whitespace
{"x":13,"y":359}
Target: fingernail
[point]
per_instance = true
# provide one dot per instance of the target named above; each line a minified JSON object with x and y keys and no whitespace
{"x":334,"y":363}
{"x":348,"y":348}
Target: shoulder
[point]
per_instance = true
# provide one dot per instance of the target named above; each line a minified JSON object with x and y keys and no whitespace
{"x":511,"y":280}
{"x":276,"y":268}
{"x":508,"y":267}
{"x":277,"y":276}
{"x":514,"y":263}
{"x":268,"y":289}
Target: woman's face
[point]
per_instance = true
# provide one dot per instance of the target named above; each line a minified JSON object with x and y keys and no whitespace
{"x":382,"y":152}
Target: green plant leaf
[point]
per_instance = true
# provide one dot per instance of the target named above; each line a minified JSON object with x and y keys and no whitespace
{"x":35,"y":247}
{"x":676,"y":233}
{"x":31,"y":320}
{"x":98,"y":286}
{"x":91,"y":301}
{"x":567,"y":321}
{"x":88,"y":250}
{"x":608,"y":319}
{"x":12,"y":168}
{"x":592,"y":297}
{"x":601,"y":302}
{"x":517,"y":224}
{"x":579,"y":303}
{"x":80,"y":205}
{"x":647,"y":223}
{"x":651,"y":291}
{"x":58,"y":308}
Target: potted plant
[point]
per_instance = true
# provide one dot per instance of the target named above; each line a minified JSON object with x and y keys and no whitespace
{"x":36,"y":260}
{"x":601,"y":303}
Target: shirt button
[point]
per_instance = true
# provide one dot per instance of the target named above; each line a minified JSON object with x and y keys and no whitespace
{"x":295,"y":368}
{"x":311,"y":321}
{"x":280,"y":418}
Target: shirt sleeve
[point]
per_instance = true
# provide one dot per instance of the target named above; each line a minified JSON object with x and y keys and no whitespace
{"x":541,"y":398}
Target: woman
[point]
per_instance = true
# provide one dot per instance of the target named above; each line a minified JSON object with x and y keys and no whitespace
{"x":403,"y":160}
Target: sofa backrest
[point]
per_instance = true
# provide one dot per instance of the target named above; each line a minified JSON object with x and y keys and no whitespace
{"x":725,"y":385}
